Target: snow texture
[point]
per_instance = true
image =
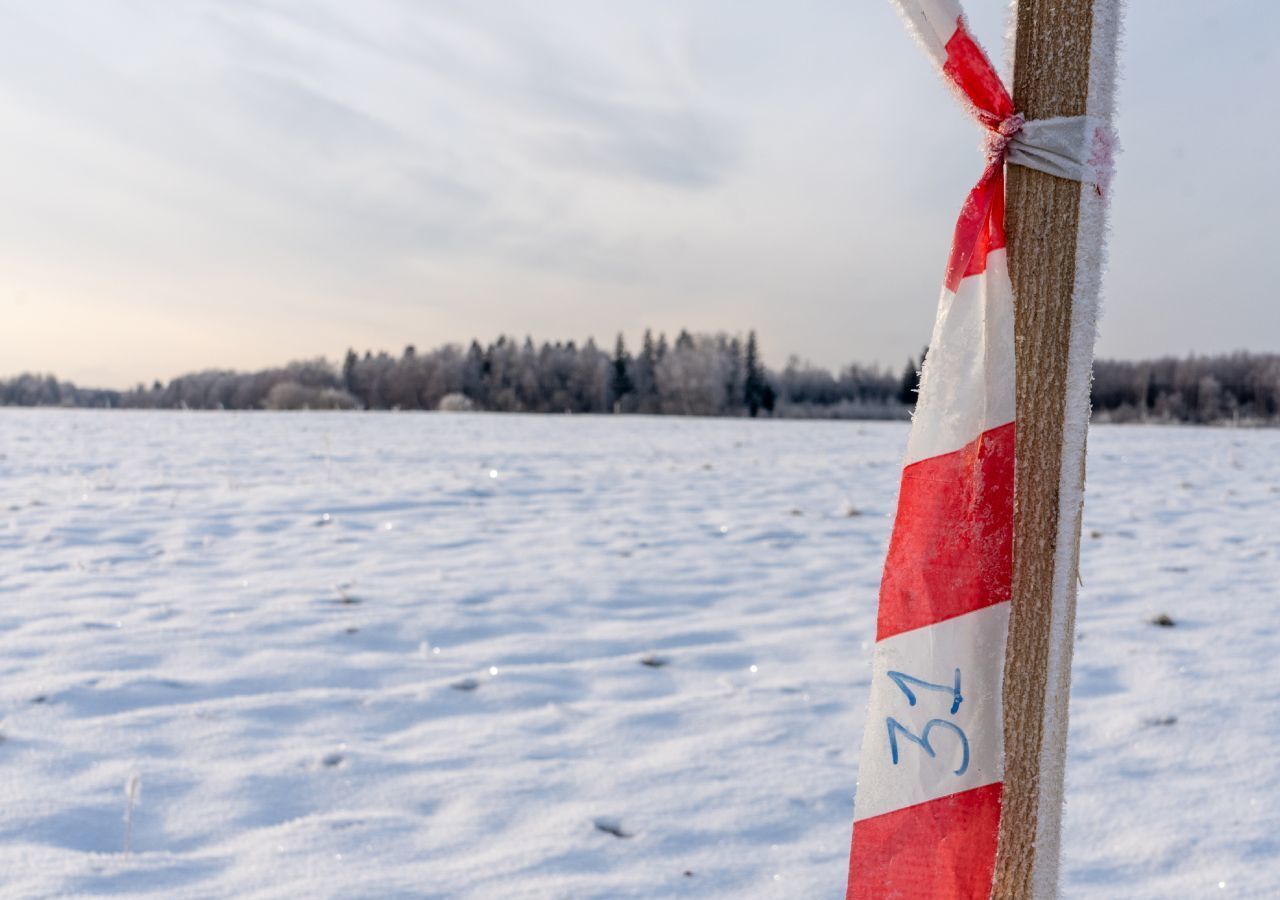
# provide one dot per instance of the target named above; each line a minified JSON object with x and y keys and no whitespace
{"x":471,"y":656}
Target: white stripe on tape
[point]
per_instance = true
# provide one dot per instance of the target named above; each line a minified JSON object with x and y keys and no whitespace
{"x":932,"y":22}
{"x":968,"y":385}
{"x":935,"y":708}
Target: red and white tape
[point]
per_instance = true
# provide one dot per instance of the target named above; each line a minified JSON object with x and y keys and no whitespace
{"x":927,"y":810}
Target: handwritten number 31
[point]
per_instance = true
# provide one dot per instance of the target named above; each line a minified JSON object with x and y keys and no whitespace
{"x":905,"y":684}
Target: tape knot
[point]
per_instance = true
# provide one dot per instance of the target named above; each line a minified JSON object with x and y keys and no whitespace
{"x":1000,"y":137}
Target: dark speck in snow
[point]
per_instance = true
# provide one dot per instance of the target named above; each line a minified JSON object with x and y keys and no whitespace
{"x":352,"y":630}
{"x":613,"y":827}
{"x":1163,"y":620}
{"x":1157,"y":721}
{"x":653,"y":661}
{"x":332,"y":759}
{"x":40,"y":698}
{"x":466,"y":684}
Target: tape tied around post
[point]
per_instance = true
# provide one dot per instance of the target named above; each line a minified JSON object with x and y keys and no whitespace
{"x":1079,"y":148}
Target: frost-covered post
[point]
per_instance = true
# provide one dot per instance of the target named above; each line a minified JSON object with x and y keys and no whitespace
{"x":1064,"y":65}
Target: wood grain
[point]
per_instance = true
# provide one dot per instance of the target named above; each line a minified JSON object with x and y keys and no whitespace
{"x":1050,"y":78}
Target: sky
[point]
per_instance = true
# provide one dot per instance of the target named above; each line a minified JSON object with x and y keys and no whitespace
{"x":239,"y":183}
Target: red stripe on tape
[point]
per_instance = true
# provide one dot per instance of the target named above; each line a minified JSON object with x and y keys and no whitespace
{"x":970,"y":70}
{"x":944,"y":849}
{"x":980,"y":228}
{"x":952,"y":546}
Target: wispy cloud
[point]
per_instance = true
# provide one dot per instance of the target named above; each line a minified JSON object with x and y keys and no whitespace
{"x":424,"y":170}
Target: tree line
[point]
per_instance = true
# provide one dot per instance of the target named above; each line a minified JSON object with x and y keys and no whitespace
{"x":696,"y":374}
{"x":1230,"y":387}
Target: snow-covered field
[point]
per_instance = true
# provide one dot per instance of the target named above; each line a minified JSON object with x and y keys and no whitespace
{"x":359,"y":655}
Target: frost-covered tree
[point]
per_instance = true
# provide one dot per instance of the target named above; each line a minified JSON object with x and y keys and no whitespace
{"x":621,"y":386}
{"x":644,"y":376}
{"x":349,"y":370}
{"x":910,"y":385}
{"x":754,"y":384}
{"x":691,"y":376}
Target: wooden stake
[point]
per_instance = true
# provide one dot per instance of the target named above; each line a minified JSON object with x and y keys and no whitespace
{"x":1050,"y":78}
